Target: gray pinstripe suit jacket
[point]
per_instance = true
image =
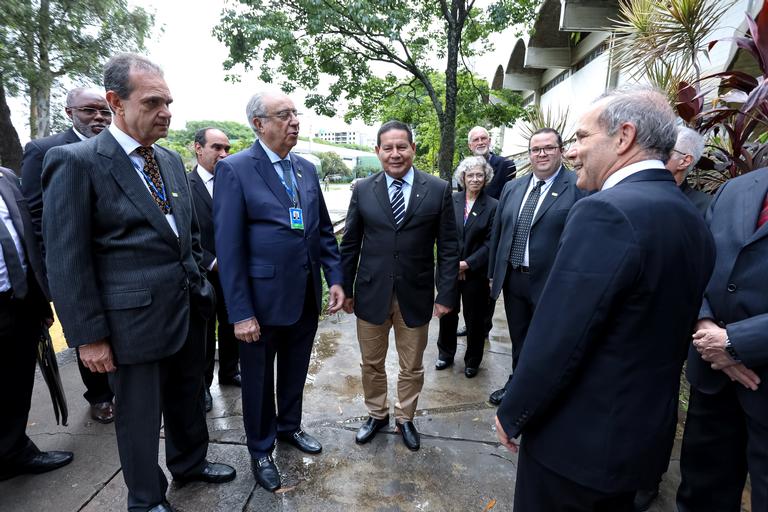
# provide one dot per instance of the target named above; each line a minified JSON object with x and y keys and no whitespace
{"x":116,"y":269}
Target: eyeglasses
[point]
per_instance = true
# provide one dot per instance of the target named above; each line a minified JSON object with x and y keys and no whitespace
{"x":284,"y":115}
{"x":92,"y":111}
{"x":679,"y":152}
{"x":548,"y":150}
{"x":476,"y":176}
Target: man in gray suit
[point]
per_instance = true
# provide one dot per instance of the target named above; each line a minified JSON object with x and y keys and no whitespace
{"x":124,"y":264}
{"x":529,"y":219}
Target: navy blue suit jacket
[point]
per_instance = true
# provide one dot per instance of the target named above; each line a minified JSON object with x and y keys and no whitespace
{"x":263,"y":263}
{"x":595,"y":391}
{"x":737,"y":294}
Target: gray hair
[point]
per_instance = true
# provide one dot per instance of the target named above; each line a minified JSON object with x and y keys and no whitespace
{"x":255,"y":108}
{"x":474,"y":129}
{"x":691,"y":143}
{"x":117,"y":72}
{"x":648,"y":110}
{"x":473,"y":162}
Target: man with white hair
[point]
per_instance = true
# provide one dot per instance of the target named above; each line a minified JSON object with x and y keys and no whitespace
{"x":479,"y":141}
{"x":686,"y":153}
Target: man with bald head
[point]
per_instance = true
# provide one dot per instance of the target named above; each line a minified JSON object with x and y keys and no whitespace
{"x":273,"y":236}
{"x":90,"y":114}
{"x":595,"y":391}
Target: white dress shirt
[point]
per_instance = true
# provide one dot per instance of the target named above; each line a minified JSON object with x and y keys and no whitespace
{"x":79,"y":135}
{"x":629,"y":170}
{"x":406,"y":188}
{"x":129,"y":145}
{"x":542,"y":194}
{"x":5,"y":216}
{"x":207,"y":178}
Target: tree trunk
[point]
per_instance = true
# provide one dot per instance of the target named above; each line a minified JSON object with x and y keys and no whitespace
{"x":40,"y":89}
{"x":448,"y":124}
{"x":42,"y":103}
{"x":10,"y":146}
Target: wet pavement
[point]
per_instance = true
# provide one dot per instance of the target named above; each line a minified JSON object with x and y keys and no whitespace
{"x":460,"y":466}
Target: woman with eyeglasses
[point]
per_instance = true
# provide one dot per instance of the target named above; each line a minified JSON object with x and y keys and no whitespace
{"x":474,"y":211}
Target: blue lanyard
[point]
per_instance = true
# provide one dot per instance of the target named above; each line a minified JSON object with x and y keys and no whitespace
{"x":160,"y":193}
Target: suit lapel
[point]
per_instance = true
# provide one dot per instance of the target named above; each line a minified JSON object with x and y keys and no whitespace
{"x":266,"y":170}
{"x":477,"y":210}
{"x":751,"y":207}
{"x":418,"y":193}
{"x":558,"y":187}
{"x":13,"y":208}
{"x":125,"y":175}
{"x":301,"y":184}
{"x":199,"y":187}
{"x":460,"y":201}
{"x":382,"y":195}
{"x":516,"y":201}
{"x":173,"y":189}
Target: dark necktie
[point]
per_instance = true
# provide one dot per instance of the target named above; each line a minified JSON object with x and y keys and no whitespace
{"x":398,"y":201}
{"x":523,"y":226}
{"x":288,"y":180}
{"x":763,"y":217}
{"x":152,"y":173}
{"x":16,"y":274}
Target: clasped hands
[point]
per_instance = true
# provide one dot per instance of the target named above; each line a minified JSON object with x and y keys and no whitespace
{"x":709,"y":340}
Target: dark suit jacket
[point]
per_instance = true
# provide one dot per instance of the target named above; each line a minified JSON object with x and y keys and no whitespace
{"x":380,"y":259}
{"x":504,"y":170}
{"x":115,"y":266}
{"x":39,"y":295}
{"x":737,"y":294}
{"x":32,"y":170}
{"x":263,"y":263}
{"x":475,"y":235}
{"x":595,"y":392}
{"x":545,"y":231}
{"x":203,"y":203}
{"x":701,"y":200}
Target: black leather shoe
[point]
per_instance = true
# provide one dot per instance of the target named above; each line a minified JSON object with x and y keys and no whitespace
{"x":231,"y":381}
{"x":302,"y":441}
{"x":410,"y":435}
{"x":497,"y":396}
{"x":163,"y":507}
{"x":442,"y":364}
{"x":40,"y":462}
{"x":265,"y":472}
{"x":470,"y":372}
{"x":208,"y":400}
{"x":212,"y":473}
{"x":103,"y":412}
{"x":366,"y":432}
{"x":644,"y":499}
{"x":462,"y":331}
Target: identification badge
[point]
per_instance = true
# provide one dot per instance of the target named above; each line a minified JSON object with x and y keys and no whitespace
{"x":297,"y":218}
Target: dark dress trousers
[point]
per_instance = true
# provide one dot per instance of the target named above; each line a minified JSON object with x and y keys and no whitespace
{"x":228,"y":350}
{"x":118,"y":272}
{"x":381,"y":259}
{"x":271,"y":272}
{"x":595,"y":391}
{"x":474,"y":239}
{"x":726,"y":429}
{"x":96,"y":384}
{"x":522,"y":290}
{"x":20,"y":328}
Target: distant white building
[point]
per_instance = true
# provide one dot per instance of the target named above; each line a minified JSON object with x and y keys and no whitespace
{"x":340,"y":137}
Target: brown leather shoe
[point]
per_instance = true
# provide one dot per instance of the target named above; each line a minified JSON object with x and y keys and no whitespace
{"x":103,"y":412}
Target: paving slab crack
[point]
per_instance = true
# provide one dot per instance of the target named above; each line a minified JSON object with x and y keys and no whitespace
{"x":96,"y":493}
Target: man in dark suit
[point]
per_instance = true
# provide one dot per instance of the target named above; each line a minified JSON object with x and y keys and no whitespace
{"x":504,"y":170}
{"x":90,"y":114}
{"x":529,"y":220}
{"x":726,"y":430}
{"x":273,"y":235}
{"x":24,"y":308}
{"x":124,"y":264}
{"x":595,"y":390}
{"x":394,"y":219}
{"x":211,"y":145}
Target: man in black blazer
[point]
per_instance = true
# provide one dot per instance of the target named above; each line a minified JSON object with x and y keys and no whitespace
{"x":504,"y":170}
{"x":522,"y":277}
{"x":24,"y":308}
{"x":387,"y":255}
{"x":124,"y":264}
{"x":211,"y":145}
{"x":595,"y":390}
{"x":90,"y":114}
{"x":726,"y":430}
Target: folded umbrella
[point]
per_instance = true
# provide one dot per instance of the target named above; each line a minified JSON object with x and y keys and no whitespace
{"x":46,"y":358}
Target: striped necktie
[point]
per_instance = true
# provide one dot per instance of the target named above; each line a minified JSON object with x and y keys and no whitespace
{"x":398,"y":201}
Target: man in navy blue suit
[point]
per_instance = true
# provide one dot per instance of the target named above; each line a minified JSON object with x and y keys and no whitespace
{"x":273,"y":234}
{"x":595,"y":390}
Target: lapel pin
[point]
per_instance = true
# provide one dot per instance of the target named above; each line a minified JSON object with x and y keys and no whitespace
{"x":298,"y":174}
{"x":474,"y":213}
{"x":417,"y":195}
{"x":174,"y":194}
{"x":554,"y":194}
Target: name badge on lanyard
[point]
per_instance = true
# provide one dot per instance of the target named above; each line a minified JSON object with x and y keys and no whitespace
{"x":296,"y":217}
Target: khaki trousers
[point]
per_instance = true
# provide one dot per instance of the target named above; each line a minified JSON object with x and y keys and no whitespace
{"x":410,"y":343}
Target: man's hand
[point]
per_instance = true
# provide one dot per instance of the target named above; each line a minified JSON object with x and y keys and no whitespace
{"x":504,"y":440}
{"x":743,"y":375}
{"x":349,"y":305}
{"x":336,"y":298}
{"x":97,"y":356}
{"x":248,"y":330}
{"x":440,"y":310}
{"x":706,"y":323}
{"x":710,"y":343}
{"x":463,"y":266}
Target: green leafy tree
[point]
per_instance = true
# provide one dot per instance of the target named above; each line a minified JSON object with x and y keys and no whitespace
{"x":182,"y":141}
{"x":301,"y":41}
{"x":42,"y":41}
{"x":333,"y":164}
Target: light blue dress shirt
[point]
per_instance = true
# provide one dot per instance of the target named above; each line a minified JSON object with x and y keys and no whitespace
{"x":407,"y":186}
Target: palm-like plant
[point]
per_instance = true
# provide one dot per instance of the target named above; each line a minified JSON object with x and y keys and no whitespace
{"x":536,"y":118}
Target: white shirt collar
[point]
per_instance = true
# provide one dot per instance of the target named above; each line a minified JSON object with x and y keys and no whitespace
{"x":408,"y":178}
{"x":128,"y":143}
{"x":79,"y":135}
{"x":629,"y":170}
{"x":273,"y":157}
{"x":204,"y":173}
{"x":547,"y":181}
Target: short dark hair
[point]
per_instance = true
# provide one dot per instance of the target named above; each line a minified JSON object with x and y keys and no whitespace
{"x":547,"y":130}
{"x":201,"y":133}
{"x":117,"y":72}
{"x":394,"y":125}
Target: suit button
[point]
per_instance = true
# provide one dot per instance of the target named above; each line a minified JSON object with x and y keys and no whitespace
{"x":731,"y":288}
{"x":185,"y":284}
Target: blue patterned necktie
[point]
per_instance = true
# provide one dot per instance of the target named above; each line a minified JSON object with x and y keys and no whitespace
{"x":523,"y":226}
{"x":398,"y":201}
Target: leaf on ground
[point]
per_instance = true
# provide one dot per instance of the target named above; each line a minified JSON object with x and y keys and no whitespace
{"x":283,"y":490}
{"x":490,"y":505}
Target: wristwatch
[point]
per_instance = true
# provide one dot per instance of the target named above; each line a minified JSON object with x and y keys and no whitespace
{"x":731,"y":351}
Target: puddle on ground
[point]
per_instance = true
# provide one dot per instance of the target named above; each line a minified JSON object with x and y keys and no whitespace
{"x":326,"y":344}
